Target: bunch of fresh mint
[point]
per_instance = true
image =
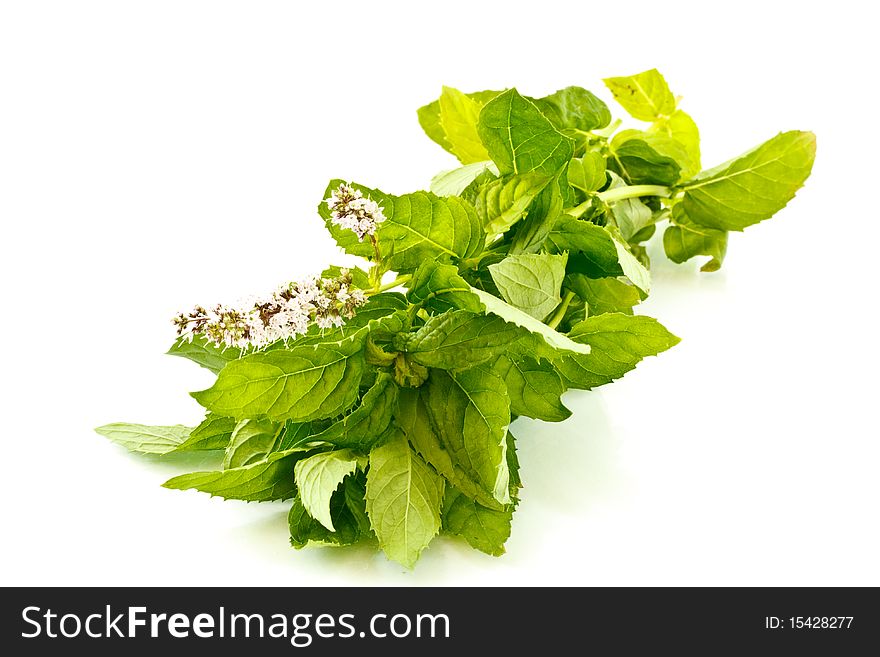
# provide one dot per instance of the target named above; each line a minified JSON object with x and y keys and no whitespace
{"x":380,"y":399}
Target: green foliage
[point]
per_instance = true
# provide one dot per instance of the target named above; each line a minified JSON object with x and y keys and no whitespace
{"x":439,"y":287}
{"x":533,"y":386}
{"x":594,"y":251}
{"x":587,"y":173}
{"x":214,"y":432}
{"x":251,"y":442}
{"x":646,"y":96}
{"x":531,"y":282}
{"x":617,"y":343}
{"x":458,"y":340}
{"x":503,"y":202}
{"x":319,"y":476}
{"x":512,"y":281}
{"x":574,"y":108}
{"x":403,"y":500}
{"x":144,"y":439}
{"x":302,"y":383}
{"x":640,"y":160}
{"x":754,"y":186}
{"x":520,"y":139}
{"x":264,"y":480}
{"x":431,"y":117}
{"x":484,"y":529}
{"x":348,"y":516}
{"x":458,"y":119}
{"x":422,"y":225}
{"x":367,"y":423}
{"x":203,"y":353}
{"x":604,"y":295}
{"x":684,"y":239}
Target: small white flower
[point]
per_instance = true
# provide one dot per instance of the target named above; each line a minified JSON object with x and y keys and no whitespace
{"x":256,"y":322}
{"x":350,"y":210}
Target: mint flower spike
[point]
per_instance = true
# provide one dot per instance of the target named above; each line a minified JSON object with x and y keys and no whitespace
{"x":288,"y":312}
{"x":351,"y":210}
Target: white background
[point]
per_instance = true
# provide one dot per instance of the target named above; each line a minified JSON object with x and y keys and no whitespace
{"x":158,"y":154}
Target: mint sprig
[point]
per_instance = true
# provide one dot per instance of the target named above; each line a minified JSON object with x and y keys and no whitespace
{"x":378,"y":400}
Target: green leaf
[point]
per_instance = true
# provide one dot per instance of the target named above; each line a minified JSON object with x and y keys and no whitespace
{"x":354,"y":488}
{"x":542,"y":215}
{"x":752,"y":187}
{"x":454,"y":182}
{"x":204,"y":353}
{"x":414,"y":420}
{"x":599,"y":254}
{"x":513,"y":466}
{"x":646,"y":159}
{"x":404,"y":497}
{"x":269,"y":479}
{"x":484,"y":529}
{"x":684,"y":239}
{"x":515,"y":316}
{"x":604,"y":295}
{"x":408,"y":373}
{"x":378,"y":314}
{"x":574,"y":108}
{"x":346,"y":239}
{"x":317,"y":478}
{"x":429,"y":117}
{"x":469,"y":412}
{"x":458,"y":118}
{"x":214,"y":432}
{"x":681,"y":128}
{"x":366,"y":424}
{"x":519,"y":138}
{"x":303,"y":383}
{"x":423,"y":226}
{"x":503,"y":202}
{"x":251,"y":442}
{"x":145,"y":439}
{"x":531,"y":282}
{"x":295,"y":437}
{"x":439,"y":287}
{"x":458,"y":339}
{"x":684,"y":242}
{"x":646,"y":96}
{"x":471,"y":192}
{"x":534,"y":388}
{"x":587,"y":173}
{"x":347,"y":513}
{"x":630,"y":214}
{"x":618,"y":343}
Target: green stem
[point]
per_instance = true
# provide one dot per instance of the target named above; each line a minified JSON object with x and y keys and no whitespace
{"x":553,"y":322}
{"x":375,"y":243}
{"x":619,"y":194}
{"x":634,"y":191}
{"x":376,"y":270}
{"x":400,"y":280}
{"x":473,"y":263}
{"x":601,"y":134}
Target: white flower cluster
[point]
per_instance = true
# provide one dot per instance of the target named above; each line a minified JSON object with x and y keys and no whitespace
{"x":350,"y":209}
{"x":288,"y":312}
